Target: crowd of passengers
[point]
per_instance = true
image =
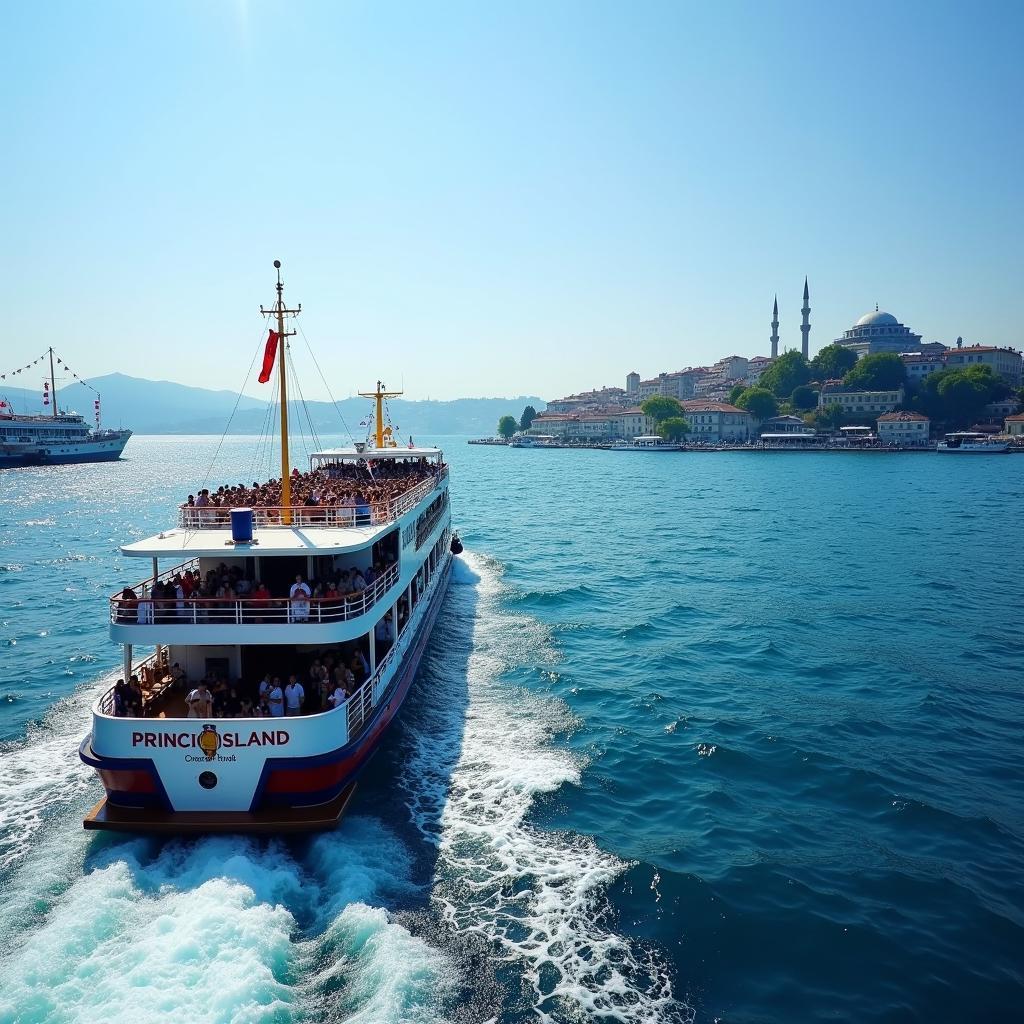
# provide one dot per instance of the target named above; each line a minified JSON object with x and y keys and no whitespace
{"x":323,"y":683}
{"x":196,"y":598}
{"x":356,"y":487}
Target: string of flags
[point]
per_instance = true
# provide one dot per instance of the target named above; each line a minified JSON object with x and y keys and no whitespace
{"x":47,"y":398}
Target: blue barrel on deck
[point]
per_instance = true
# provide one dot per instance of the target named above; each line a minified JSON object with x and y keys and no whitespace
{"x":241,"y":525}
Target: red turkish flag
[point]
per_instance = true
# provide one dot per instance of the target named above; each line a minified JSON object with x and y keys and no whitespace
{"x":269,"y":355}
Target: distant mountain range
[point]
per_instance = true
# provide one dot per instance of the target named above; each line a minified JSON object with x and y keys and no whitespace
{"x":163,"y":407}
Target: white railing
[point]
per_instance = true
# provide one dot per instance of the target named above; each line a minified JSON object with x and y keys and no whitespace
{"x":358,"y":706}
{"x":244,"y":611}
{"x":151,"y":674}
{"x":367,"y":513}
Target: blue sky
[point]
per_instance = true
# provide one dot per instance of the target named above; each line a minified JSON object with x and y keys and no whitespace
{"x":503,"y":198}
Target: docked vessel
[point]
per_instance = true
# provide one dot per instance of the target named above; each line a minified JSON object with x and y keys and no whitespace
{"x":55,"y":438}
{"x":331,"y":579}
{"x":970,"y":442}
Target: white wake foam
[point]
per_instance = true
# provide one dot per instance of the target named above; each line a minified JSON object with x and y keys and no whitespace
{"x":43,"y":771}
{"x":476,"y":763}
{"x":227,"y":930}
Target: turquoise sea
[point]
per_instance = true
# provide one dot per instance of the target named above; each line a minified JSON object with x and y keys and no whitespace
{"x":726,"y":737}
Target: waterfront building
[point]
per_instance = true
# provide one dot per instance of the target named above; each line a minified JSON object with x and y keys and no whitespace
{"x":599,"y":425}
{"x":1006,"y":362}
{"x":879,"y":331}
{"x":783,"y":425}
{"x":857,"y":403}
{"x":1015,"y":425}
{"x":717,"y":421}
{"x":909,"y":429}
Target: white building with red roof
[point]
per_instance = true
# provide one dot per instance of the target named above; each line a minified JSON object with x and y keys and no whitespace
{"x":909,"y":429}
{"x":717,"y":421}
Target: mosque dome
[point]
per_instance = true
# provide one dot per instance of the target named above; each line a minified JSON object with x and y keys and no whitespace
{"x":876,"y":318}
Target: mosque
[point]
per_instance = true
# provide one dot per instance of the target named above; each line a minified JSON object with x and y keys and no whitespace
{"x":875,"y":331}
{"x":878,"y":331}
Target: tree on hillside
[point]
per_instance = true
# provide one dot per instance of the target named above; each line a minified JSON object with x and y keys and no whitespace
{"x":661,"y":407}
{"x":833,"y":362}
{"x":506,"y":426}
{"x":829,"y":418}
{"x":804,"y":398}
{"x":786,"y":374}
{"x":529,"y":413}
{"x":759,"y":402}
{"x":958,"y":397}
{"x":736,"y":392}
{"x":881,"y":372}
{"x":675,"y":428}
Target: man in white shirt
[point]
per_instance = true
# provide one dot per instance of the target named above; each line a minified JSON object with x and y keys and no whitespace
{"x":276,"y":699}
{"x":200,"y":702}
{"x":265,"y":686}
{"x":294,"y":695}
{"x":337,"y":698}
{"x":299,"y":596}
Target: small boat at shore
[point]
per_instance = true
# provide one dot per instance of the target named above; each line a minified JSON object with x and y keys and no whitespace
{"x":970,"y":442}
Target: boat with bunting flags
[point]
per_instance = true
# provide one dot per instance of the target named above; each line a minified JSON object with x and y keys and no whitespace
{"x":284,"y":640}
{"x":55,"y":437}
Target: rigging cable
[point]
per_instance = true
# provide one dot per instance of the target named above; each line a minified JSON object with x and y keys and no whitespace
{"x":352,"y":436}
{"x":232,"y":416}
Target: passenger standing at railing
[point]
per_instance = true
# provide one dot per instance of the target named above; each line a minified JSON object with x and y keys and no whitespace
{"x":127,"y":605}
{"x":144,"y":613}
{"x":299,"y":595}
{"x":275,"y":699}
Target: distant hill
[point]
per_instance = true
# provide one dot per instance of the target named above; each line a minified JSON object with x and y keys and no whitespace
{"x":163,"y":407}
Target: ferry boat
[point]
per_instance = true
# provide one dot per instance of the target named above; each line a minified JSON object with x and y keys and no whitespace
{"x":970,"y":442}
{"x":57,"y":438}
{"x":250,"y":761}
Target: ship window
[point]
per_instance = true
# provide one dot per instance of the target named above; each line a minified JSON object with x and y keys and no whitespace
{"x":207,"y":780}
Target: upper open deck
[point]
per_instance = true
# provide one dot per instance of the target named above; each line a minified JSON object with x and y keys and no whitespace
{"x":345,"y":503}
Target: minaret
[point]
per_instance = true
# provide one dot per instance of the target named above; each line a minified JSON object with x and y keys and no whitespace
{"x":775,"y":329}
{"x":805,"y":327}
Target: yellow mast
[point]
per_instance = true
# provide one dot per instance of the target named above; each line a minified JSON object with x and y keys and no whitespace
{"x":380,"y":394}
{"x":281,"y":312}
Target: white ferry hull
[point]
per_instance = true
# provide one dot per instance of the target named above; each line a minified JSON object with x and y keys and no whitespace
{"x":61,"y":453}
{"x":995,"y":448}
{"x":271,"y":774}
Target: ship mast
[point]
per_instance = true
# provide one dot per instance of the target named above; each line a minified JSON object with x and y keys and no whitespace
{"x":380,"y":394}
{"x":53,"y":387}
{"x":281,"y":311}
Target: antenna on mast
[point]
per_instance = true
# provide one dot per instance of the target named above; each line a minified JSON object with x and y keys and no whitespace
{"x":380,"y":394}
{"x":280,"y":311}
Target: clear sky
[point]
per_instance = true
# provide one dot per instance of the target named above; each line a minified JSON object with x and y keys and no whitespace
{"x":503,"y":198}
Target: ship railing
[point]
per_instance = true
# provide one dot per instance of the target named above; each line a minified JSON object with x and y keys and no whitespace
{"x":238,"y":611}
{"x":367,"y":513}
{"x":154,"y":677}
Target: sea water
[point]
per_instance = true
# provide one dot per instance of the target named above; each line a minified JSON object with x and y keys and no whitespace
{"x":708,"y":736}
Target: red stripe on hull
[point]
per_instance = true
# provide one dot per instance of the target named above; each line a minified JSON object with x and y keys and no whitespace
{"x":115,"y":782}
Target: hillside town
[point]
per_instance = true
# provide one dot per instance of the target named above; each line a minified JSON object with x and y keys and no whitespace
{"x":878,"y":373}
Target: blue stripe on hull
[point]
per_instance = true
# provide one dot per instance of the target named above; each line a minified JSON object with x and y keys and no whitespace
{"x":61,"y":459}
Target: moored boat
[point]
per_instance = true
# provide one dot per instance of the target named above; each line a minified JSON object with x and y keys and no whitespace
{"x":970,"y":442}
{"x":330,"y":579}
